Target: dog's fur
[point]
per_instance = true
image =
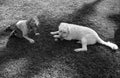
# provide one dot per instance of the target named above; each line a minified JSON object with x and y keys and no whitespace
{"x":85,"y":35}
{"x":23,"y":27}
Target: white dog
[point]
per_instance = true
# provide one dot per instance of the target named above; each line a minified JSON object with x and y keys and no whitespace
{"x":85,"y":35}
{"x":25,"y":26}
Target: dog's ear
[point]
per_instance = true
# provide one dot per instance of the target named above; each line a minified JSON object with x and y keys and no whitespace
{"x":36,"y":20}
{"x":67,"y":30}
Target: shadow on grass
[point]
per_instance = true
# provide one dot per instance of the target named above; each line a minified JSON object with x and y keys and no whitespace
{"x":116,"y":18}
{"x":80,"y":16}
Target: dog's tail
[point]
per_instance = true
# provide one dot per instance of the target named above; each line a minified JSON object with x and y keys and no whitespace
{"x":109,"y":44}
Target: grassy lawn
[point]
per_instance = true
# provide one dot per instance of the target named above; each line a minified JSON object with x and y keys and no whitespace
{"x":49,"y":59}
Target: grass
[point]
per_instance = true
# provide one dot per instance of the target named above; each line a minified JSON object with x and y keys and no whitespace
{"x":49,"y":59}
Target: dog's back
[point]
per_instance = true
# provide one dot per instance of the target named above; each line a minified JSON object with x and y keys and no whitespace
{"x":77,"y":31}
{"x":22,"y":26}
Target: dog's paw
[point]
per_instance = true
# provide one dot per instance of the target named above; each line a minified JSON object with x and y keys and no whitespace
{"x":31,"y":41}
{"x":51,"y":33}
{"x":77,"y":50}
{"x":37,"y":33}
{"x":80,"y":49}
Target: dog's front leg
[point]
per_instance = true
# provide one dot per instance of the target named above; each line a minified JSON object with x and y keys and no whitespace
{"x":29,"y":39}
{"x":56,"y":36}
{"x":35,"y":31}
{"x":84,"y":45}
{"x":53,"y":33}
{"x":25,"y":32}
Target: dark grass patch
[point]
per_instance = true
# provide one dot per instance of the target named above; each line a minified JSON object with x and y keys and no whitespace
{"x":80,"y":15}
{"x":116,"y":19}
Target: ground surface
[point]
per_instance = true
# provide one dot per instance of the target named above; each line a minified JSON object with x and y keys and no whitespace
{"x":49,"y":59}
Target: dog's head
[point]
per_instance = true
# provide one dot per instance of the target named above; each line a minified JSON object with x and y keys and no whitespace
{"x":33,"y":24}
{"x":63,"y":30}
